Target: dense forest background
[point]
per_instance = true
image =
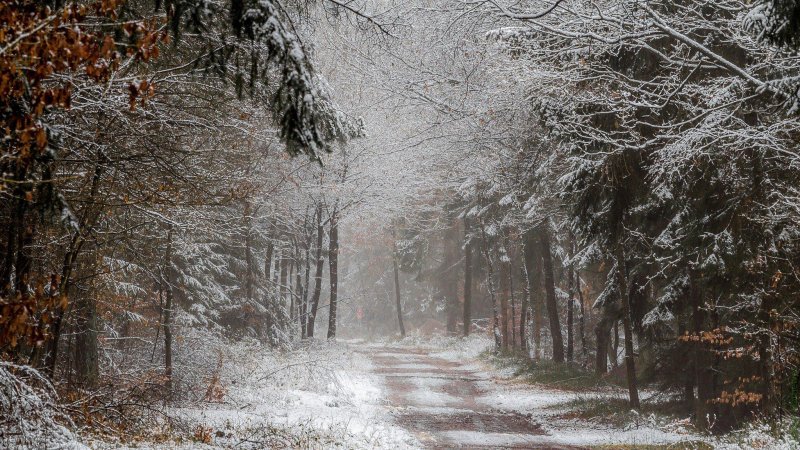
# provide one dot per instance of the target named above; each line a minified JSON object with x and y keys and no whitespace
{"x":609,"y":185}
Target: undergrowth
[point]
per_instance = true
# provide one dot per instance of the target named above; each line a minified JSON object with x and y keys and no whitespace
{"x":564,"y":376}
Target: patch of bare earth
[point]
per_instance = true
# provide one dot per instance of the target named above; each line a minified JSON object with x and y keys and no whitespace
{"x":436,"y":399}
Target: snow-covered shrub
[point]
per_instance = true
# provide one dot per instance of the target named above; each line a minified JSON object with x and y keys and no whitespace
{"x":762,"y":434}
{"x":30,"y":417}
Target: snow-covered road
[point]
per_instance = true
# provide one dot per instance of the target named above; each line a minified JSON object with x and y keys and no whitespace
{"x":439,"y":401}
{"x":443,"y":395}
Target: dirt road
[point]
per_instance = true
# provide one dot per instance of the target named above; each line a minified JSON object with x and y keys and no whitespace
{"x":439,"y":401}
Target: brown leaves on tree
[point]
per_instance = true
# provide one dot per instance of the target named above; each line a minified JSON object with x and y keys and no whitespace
{"x":41,"y":51}
{"x":38,"y":43}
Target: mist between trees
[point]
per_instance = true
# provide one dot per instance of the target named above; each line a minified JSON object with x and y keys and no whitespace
{"x":610,"y":185}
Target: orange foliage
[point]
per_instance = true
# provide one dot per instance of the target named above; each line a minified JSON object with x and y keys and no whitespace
{"x":36,"y":45}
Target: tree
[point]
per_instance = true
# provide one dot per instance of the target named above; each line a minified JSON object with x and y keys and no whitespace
{"x":396,"y":272}
{"x":333,"y":259}
{"x":467,"y":317}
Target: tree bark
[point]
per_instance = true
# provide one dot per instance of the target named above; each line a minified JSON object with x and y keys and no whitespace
{"x":14,"y":231}
{"x":398,"y":304}
{"x":467,"y":280}
{"x":703,"y":364}
{"x":87,"y":369}
{"x":268,"y":256}
{"x":289,"y":289}
{"x":167,"y":279}
{"x":505,"y":273}
{"x":333,"y":261}
{"x":513,"y":323}
{"x":601,"y":358}
{"x":312,"y":317}
{"x":450,"y":277}
{"x":582,"y":321}
{"x":298,"y":289}
{"x":276,"y":276}
{"x":249,"y":280}
{"x":688,"y":368}
{"x":570,"y":319}
{"x":306,"y":288}
{"x":627,"y":321}
{"x":550,"y":291}
{"x":523,"y":308}
{"x":498,"y":344}
{"x":534,"y":275}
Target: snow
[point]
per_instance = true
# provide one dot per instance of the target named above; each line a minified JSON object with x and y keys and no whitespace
{"x":331,"y":395}
{"x":322,"y":394}
{"x":758,"y":435}
{"x":31,"y":417}
{"x":546,"y":406}
{"x":549,"y":407}
{"x":428,"y":392}
{"x":415,"y":366}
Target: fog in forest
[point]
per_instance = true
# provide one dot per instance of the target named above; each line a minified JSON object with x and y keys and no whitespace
{"x":399,"y":224}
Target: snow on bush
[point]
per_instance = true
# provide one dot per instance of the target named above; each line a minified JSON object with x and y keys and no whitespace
{"x":29,"y":414}
{"x":246,"y":395}
{"x":762,"y":434}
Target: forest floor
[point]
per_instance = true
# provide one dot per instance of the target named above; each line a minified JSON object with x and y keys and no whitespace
{"x":410,"y":394}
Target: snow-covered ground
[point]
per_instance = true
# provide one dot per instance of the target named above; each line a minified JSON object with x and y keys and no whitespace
{"x":319,"y":397}
{"x":338,"y":395}
{"x":499,"y":392}
{"x":552,"y":408}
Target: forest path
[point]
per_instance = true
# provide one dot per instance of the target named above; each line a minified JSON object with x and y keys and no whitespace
{"x":438,"y":400}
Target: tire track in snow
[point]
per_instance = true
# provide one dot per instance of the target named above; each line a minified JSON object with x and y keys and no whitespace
{"x":436,"y":400}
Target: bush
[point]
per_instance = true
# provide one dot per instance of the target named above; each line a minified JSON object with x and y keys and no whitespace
{"x":30,"y":417}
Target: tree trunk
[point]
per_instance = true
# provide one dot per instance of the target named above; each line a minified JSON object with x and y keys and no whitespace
{"x":51,"y":356}
{"x":268,"y":256}
{"x":450,"y":277}
{"x":582,"y":321}
{"x":167,"y":277}
{"x":601,"y":358}
{"x":306,"y":288}
{"x":276,"y":276}
{"x":505,"y":273}
{"x":249,"y":279}
{"x":769,"y":398}
{"x":398,"y":304}
{"x":289,"y":289}
{"x":312,"y":317}
{"x":467,"y":280}
{"x":703,"y":365}
{"x":14,"y":232}
{"x":523,"y":308}
{"x":87,"y":369}
{"x":333,"y":261}
{"x":614,"y":354}
{"x":627,"y":321}
{"x":534,"y":276}
{"x":87,"y":222}
{"x":298,"y":289}
{"x":284,"y":272}
{"x":688,"y":368}
{"x":550,"y":291}
{"x":570,"y":319}
{"x":490,"y":282}
{"x":24,"y":263}
{"x":513,"y":324}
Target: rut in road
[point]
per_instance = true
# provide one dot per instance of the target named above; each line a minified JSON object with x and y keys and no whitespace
{"x":438,"y":401}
